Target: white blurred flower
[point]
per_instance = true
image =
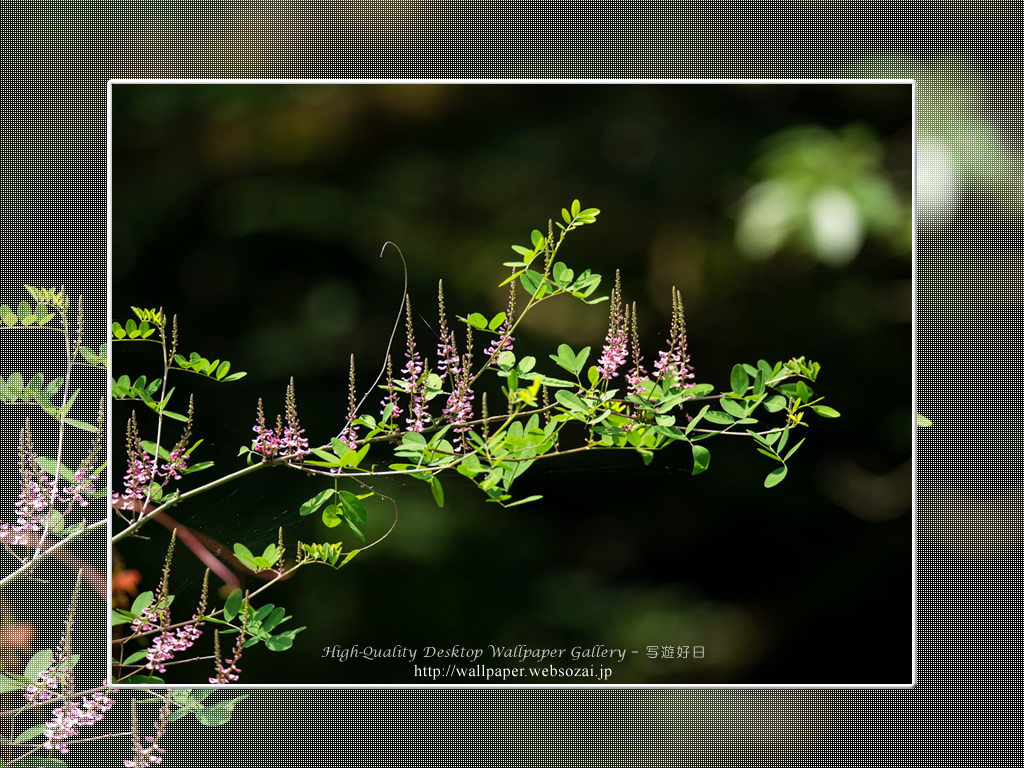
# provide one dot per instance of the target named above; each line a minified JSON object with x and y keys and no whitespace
{"x":835,"y":226}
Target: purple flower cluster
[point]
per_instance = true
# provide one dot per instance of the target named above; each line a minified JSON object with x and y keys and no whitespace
{"x":501,"y":344}
{"x":448,"y":358}
{"x":168,"y":643}
{"x":636,"y":375}
{"x":672,"y":368}
{"x":144,"y":469}
{"x":228,"y":672}
{"x":282,"y":440}
{"x":72,"y":715}
{"x":38,"y":492}
{"x":505,"y":340}
{"x":84,"y":482}
{"x":56,"y":681}
{"x":32,"y":503}
{"x":141,"y":471}
{"x":392,"y":397}
{"x":412,"y":381}
{"x":673,"y":365}
{"x":151,"y":754}
{"x":49,"y":684}
{"x":616,"y":345}
{"x":459,"y":407}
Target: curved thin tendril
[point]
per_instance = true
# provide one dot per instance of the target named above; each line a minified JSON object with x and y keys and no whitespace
{"x":394,"y":330}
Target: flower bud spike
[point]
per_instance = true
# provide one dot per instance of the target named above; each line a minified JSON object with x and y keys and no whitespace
{"x":81,"y":325}
{"x":174,"y":334}
{"x":442,"y":322}
{"x":165,"y":579}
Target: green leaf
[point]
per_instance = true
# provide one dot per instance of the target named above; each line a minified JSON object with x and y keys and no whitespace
{"x":739,"y":379}
{"x":437,"y":491}
{"x":701,"y":458}
{"x":717,"y":417}
{"x":414,"y":440}
{"x":824,"y":410}
{"x":923,"y":421}
{"x":332,"y":516}
{"x":10,"y":682}
{"x":339,"y":447}
{"x":36,"y":761}
{"x":793,"y":449}
{"x":570,"y":401}
{"x":247,"y":558}
{"x":531,"y":281}
{"x":581,"y":360}
{"x":28,"y":734}
{"x":50,"y":467}
{"x":312,"y":505}
{"x":782,"y":440}
{"x":470,"y":466}
{"x":561,"y":274}
{"x":142,"y":602}
{"x":759,"y":382}
{"x":40,"y":662}
{"x":233,"y":604}
{"x":733,"y":408}
{"x":496,"y":321}
{"x":354,"y":509}
{"x":56,"y":522}
{"x":354,"y":528}
{"x":698,"y":417}
{"x":218,"y":714}
{"x":527,"y":500}
{"x":150,"y":448}
{"x":477,"y":321}
{"x":804,"y":392}
{"x":35,"y":384}
{"x":775,"y":477}
{"x":775,"y":403}
{"x":348,"y":557}
{"x":271,"y":553}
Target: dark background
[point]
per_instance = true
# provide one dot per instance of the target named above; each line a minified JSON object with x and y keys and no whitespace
{"x":257,"y":213}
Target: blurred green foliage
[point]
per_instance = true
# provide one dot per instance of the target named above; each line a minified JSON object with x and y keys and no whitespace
{"x":961,"y":147}
{"x":257,"y":214}
{"x":823,"y":193}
